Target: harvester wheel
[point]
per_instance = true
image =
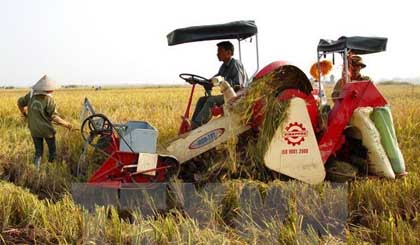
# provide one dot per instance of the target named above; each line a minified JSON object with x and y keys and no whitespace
{"x":96,"y":125}
{"x":196,"y":79}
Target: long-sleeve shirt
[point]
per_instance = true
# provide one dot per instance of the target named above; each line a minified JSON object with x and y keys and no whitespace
{"x":41,"y":109}
{"x":234,"y":73}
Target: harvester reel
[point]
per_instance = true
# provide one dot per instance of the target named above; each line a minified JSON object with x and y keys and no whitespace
{"x":96,"y":125}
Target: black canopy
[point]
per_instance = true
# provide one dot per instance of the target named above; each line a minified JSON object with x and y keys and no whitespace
{"x":232,"y":30}
{"x":358,"y":45}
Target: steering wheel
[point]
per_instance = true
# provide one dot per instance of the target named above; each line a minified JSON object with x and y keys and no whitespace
{"x":95,"y":125}
{"x":196,"y":79}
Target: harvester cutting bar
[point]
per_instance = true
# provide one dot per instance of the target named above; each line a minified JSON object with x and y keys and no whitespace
{"x":121,"y":167}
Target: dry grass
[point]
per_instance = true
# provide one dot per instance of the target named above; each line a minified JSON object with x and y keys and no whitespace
{"x":381,"y":211}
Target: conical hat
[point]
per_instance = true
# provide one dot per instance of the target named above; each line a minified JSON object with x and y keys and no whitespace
{"x":45,"y":84}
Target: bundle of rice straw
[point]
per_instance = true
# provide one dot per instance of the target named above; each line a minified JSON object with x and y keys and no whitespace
{"x":264,"y":91}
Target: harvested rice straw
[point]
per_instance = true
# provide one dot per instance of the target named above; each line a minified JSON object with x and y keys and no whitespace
{"x":264,"y":91}
{"x":275,"y":113}
{"x":225,"y":164}
{"x":248,"y":162}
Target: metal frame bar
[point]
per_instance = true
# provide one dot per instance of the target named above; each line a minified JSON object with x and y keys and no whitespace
{"x":344,"y":53}
{"x":256,"y":52}
{"x":346,"y":65}
{"x":240,"y":50}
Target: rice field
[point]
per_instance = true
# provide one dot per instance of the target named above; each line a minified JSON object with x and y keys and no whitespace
{"x":36,"y":207}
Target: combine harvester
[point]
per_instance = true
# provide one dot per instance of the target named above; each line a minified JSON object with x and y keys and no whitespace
{"x":300,"y":147}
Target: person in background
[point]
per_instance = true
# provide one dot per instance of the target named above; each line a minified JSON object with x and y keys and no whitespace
{"x":39,"y":108}
{"x":355,"y":65}
{"x":233,"y":72}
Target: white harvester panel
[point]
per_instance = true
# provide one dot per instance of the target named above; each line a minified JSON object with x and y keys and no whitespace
{"x":294,"y":150}
{"x":206,"y":137}
{"x":147,"y":161}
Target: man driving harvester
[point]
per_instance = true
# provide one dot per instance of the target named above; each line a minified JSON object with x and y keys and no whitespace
{"x":233,"y":72}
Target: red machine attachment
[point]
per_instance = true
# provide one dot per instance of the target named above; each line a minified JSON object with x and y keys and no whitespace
{"x":354,"y":95}
{"x":122,"y":167}
{"x":185,"y":124}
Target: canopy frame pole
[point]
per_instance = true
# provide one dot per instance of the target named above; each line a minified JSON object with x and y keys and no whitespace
{"x":240,"y":50}
{"x":319,"y":78}
{"x":257,"y":50}
{"x":257,"y":53}
{"x":346,"y":66}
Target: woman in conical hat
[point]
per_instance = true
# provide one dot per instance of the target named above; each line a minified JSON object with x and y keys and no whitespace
{"x":39,"y":108}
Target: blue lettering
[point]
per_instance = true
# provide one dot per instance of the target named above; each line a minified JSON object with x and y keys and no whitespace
{"x":207,"y":139}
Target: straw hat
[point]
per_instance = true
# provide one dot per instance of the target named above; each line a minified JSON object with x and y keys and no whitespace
{"x":357,"y":61}
{"x":45,"y":84}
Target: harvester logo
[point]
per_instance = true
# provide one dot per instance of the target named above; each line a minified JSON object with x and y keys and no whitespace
{"x":207,"y":138}
{"x":295,"y":133}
